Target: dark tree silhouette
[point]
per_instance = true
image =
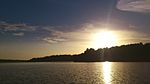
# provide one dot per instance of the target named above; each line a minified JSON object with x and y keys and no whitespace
{"x":131,"y":52}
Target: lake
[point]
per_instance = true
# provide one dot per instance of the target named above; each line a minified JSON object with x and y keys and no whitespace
{"x":75,"y":73}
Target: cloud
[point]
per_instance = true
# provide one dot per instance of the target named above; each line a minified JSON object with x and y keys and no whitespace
{"x":18,"y":34}
{"x":53,"y":31}
{"x":79,"y":35}
{"x":53,"y":40}
{"x":16,"y":27}
{"x":52,"y":35}
{"x":134,"y":5}
{"x":55,"y":36}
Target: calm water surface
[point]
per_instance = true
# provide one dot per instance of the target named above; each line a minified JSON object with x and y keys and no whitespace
{"x":75,"y":73}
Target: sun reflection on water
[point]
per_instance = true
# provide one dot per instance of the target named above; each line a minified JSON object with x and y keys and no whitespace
{"x":107,"y":72}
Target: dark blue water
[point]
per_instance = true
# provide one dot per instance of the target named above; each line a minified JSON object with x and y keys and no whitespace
{"x":75,"y":73}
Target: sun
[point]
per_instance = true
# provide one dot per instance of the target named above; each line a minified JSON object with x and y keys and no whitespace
{"x":104,"y":39}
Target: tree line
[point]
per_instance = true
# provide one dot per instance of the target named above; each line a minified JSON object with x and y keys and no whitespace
{"x":124,"y":53}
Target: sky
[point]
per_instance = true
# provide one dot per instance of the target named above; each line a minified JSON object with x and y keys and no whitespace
{"x":36,"y":28}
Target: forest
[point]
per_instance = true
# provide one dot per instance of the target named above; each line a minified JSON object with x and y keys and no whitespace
{"x":137,"y":52}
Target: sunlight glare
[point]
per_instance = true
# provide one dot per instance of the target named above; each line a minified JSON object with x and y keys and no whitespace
{"x":104,"y":39}
{"x":107,"y":72}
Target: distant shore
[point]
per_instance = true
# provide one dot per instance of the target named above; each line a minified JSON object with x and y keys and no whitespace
{"x":11,"y":61}
{"x":138,"y":52}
